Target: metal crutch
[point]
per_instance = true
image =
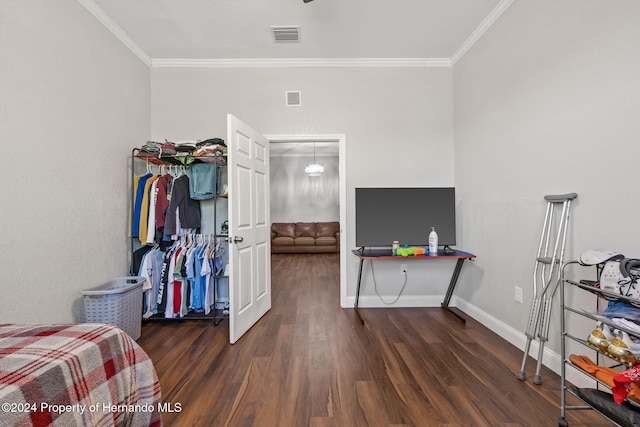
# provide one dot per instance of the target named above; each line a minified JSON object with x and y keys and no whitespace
{"x":546,"y":276}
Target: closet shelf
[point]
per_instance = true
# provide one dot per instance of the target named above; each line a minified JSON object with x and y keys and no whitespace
{"x":596,"y":318}
{"x":610,"y":296}
{"x":585,"y":343}
{"x":219,"y":157}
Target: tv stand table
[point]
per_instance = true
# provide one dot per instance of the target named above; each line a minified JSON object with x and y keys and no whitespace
{"x":373,"y":254}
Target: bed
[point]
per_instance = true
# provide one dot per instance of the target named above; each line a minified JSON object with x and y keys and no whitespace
{"x":75,"y":375}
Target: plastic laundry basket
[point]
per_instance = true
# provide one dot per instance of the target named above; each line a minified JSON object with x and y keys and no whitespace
{"x":118,"y":302}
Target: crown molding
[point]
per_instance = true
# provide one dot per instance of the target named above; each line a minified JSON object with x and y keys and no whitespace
{"x":481,"y":29}
{"x":301,"y":62}
{"x":115,"y":29}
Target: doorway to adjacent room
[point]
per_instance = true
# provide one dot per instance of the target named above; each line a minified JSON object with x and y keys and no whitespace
{"x":297,"y":197}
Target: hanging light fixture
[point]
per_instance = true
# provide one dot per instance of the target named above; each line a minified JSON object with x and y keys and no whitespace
{"x":314,"y":169}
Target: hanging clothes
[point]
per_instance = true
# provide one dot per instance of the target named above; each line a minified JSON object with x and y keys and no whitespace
{"x":181,"y":278}
{"x":183,"y":211}
{"x":138,"y":257}
{"x":143,"y":220}
{"x":179,"y":265}
{"x":151,"y":222}
{"x":151,"y":269}
{"x":162,"y":202}
{"x":202,"y":181}
{"x":139,"y":185}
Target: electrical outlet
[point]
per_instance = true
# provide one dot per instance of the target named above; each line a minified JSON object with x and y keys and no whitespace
{"x":403,"y":268}
{"x":518,"y":294}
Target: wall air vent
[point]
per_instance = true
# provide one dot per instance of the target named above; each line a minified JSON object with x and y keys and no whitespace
{"x":293,"y":99}
{"x":286,"y":34}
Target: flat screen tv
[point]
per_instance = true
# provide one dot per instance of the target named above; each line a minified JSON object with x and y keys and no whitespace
{"x":406,"y":215}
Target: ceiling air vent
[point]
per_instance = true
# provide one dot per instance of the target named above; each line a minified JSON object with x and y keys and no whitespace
{"x":286,"y":34}
{"x":294,"y":99}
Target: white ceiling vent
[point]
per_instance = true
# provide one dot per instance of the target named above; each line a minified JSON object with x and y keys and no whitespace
{"x":286,"y":34}
{"x":294,"y":99}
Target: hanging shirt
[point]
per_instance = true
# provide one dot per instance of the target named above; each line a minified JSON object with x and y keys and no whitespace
{"x":183,"y":205}
{"x":146,"y":271}
{"x":162,"y":200}
{"x":190,"y":273}
{"x":178,"y":281}
{"x":206,"y":281}
{"x":137,"y":203}
{"x":170,"y":288}
{"x":151,"y":221}
{"x":164,"y":281}
{"x":143,"y":221}
{"x":198,"y":281}
{"x":157,"y":262}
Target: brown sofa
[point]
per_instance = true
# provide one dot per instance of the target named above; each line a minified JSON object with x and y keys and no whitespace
{"x":305,"y":237}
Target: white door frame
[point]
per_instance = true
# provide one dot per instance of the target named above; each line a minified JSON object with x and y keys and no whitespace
{"x":342,"y":162}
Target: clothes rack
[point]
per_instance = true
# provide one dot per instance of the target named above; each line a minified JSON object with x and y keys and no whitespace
{"x":202,"y":294}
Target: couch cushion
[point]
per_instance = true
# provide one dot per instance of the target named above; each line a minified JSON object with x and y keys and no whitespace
{"x":282,"y":241}
{"x":326,"y":241}
{"x":306,"y":229}
{"x":304,"y":241}
{"x":327,"y":229}
{"x":284,"y":229}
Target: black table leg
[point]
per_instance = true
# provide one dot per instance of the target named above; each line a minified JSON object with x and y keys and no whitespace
{"x":358,"y":291}
{"x":452,"y":285}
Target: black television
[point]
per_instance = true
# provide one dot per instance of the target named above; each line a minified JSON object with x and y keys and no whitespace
{"x":406,"y":215}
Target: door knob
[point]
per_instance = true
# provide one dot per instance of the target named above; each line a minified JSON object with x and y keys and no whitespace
{"x":237,"y":239}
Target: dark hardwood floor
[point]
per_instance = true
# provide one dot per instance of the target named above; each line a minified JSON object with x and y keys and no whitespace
{"x":308,"y":362}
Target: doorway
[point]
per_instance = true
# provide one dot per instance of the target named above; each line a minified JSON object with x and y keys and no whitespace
{"x":306,"y":143}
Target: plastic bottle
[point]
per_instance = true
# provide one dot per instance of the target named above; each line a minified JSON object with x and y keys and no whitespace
{"x":394,"y":247}
{"x":433,"y":242}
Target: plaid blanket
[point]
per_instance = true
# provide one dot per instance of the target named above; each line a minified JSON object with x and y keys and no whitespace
{"x":75,"y":375}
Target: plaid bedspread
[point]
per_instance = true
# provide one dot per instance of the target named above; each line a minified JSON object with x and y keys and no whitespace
{"x":75,"y":375}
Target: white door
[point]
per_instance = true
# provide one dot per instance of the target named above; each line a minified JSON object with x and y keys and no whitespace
{"x":249,"y":229}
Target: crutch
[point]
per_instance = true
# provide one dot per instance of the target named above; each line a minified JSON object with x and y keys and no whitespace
{"x":547,"y":275}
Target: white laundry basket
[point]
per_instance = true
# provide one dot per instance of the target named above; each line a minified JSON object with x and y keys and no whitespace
{"x":118,"y":302}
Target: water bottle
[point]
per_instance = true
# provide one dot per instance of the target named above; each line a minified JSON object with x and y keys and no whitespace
{"x":433,"y":242}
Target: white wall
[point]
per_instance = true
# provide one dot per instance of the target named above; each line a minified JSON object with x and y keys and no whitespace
{"x":547,"y":102}
{"x":397,"y":122}
{"x":296,"y":197}
{"x":73,"y":102}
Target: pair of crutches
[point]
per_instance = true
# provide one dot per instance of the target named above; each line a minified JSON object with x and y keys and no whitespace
{"x":547,"y":275}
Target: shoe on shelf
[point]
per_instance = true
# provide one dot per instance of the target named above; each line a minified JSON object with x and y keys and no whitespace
{"x":620,"y":351}
{"x":631,"y":345}
{"x":607,"y":330}
{"x":597,"y":339}
{"x":628,"y":324}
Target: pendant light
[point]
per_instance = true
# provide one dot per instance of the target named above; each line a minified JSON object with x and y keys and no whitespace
{"x":314,"y":169}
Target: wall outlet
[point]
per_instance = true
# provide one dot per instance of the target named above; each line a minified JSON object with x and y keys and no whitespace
{"x":518,"y":294}
{"x":403,"y":268}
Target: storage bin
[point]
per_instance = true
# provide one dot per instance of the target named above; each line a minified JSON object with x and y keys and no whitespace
{"x":118,"y":302}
